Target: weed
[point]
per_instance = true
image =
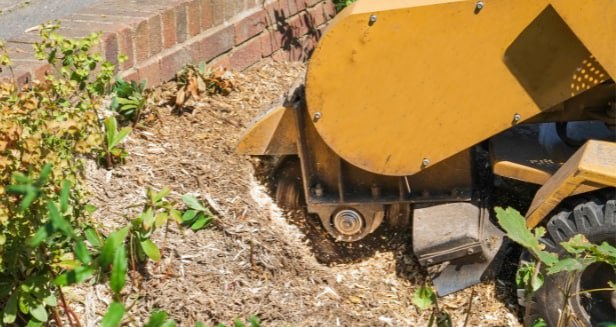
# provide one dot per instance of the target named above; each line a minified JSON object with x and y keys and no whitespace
{"x":580,"y":254}
{"x":129,"y":99}
{"x":113,"y":151}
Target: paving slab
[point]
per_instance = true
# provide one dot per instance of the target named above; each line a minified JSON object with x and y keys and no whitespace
{"x":18,"y":15}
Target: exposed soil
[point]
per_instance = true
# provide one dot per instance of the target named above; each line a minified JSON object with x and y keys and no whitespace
{"x":257,"y":260}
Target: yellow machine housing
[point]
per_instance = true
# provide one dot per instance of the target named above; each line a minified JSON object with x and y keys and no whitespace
{"x":402,"y":97}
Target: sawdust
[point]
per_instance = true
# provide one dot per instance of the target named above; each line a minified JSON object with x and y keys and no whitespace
{"x":257,"y":260}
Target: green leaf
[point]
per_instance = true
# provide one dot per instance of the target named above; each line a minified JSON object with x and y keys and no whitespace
{"x":34,"y":323}
{"x":514,"y":225}
{"x":50,"y":300}
{"x":547,"y":257}
{"x":201,"y":222}
{"x":424,"y":297}
{"x":121,"y":135}
{"x":199,"y":324}
{"x":64,"y":196}
{"x":238,"y":323}
{"x":169,"y":323}
{"x":118,"y":272}
{"x":114,"y":315}
{"x":90,"y":208}
{"x":59,"y":223}
{"x":39,"y":313}
{"x":75,"y":276}
{"x":114,"y":240}
{"x":577,"y":244}
{"x":111,"y":129}
{"x":160,"y":195}
{"x":540,"y":323}
{"x":93,"y":238}
{"x":605,"y":324}
{"x":570,"y":264}
{"x":44,"y":176}
{"x":43,"y":233}
{"x":150,"y":249}
{"x":81,"y":252}
{"x":192,"y":202}
{"x":189,"y":215}
{"x":161,"y":219}
{"x":148,"y":219}
{"x":9,"y":314}
{"x":254,"y":321}
{"x":157,"y":319}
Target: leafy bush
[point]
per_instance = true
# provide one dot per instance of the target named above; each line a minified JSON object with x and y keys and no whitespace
{"x":47,"y":130}
{"x":341,"y":4}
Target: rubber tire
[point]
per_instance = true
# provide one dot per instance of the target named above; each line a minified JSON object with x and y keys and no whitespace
{"x":593,"y":215}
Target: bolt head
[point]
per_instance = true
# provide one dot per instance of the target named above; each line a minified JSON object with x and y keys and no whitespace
{"x":372,"y":18}
{"x":425,"y":162}
{"x":517,"y":117}
{"x":317,"y":116}
{"x":479,"y":5}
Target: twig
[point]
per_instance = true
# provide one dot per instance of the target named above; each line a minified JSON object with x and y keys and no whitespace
{"x":470,"y":307}
{"x":252,"y":257}
{"x":69,"y":313}
{"x":211,"y":203}
{"x":56,"y":317}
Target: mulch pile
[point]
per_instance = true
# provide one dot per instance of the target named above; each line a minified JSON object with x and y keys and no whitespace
{"x":255,"y":260}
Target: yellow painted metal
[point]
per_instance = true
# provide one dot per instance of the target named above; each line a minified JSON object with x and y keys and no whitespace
{"x":428,"y":79}
{"x":273,"y":134}
{"x":516,"y":154}
{"x":594,"y":164}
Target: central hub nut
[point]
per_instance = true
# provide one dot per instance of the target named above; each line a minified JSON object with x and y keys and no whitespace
{"x":348,"y":222}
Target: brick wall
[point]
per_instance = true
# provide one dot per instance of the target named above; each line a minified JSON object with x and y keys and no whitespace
{"x":160,"y":36}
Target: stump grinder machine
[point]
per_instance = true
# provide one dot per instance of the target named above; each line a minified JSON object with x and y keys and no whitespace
{"x":405,"y":102}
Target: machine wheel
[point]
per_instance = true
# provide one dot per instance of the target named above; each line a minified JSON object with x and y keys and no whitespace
{"x":595,"y":217}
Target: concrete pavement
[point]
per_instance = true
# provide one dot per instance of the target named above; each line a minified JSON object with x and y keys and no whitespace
{"x":18,"y":15}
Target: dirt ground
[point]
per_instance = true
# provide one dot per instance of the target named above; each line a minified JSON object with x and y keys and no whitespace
{"x":256,"y":260}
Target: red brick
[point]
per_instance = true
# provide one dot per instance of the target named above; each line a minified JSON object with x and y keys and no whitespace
{"x":142,"y":41}
{"x":330,"y":9}
{"x":220,"y":61}
{"x":172,"y":62}
{"x":155,"y":27}
{"x":130,"y":75}
{"x":317,"y":15}
{"x":207,"y":19}
{"x":277,"y":12}
{"x":232,"y":8}
{"x":193,"y":10}
{"x":150,"y":71}
{"x":125,"y":41}
{"x":246,"y":55}
{"x":20,"y":75}
{"x":299,"y":24}
{"x":280,"y":55}
{"x":248,"y":4}
{"x":181,"y":23}
{"x":20,"y":50}
{"x":270,"y":42}
{"x":218,"y":11}
{"x":169,"y":28}
{"x":296,"y":6}
{"x":37,"y":69}
{"x":250,"y":26}
{"x":310,"y":3}
{"x":217,"y":42}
